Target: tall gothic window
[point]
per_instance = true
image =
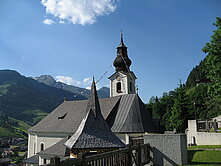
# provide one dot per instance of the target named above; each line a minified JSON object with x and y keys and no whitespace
{"x":118,"y":87}
{"x":42,"y":146}
{"x":34,"y":147}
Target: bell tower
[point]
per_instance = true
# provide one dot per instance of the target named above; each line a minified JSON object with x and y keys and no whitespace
{"x":123,"y":80}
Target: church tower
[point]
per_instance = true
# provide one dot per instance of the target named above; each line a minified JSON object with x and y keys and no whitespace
{"x":123,"y":80}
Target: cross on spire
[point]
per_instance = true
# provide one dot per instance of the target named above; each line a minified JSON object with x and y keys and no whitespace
{"x":121,"y":39}
{"x":121,"y":33}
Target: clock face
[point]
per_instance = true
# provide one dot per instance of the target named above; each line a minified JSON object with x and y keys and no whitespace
{"x":118,"y":78}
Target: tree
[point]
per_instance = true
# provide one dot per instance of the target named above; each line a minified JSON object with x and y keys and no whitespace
{"x":179,"y":112}
{"x":198,"y":98}
{"x":213,"y":70}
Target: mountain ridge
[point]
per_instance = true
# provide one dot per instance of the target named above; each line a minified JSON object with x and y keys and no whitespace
{"x":50,"y":81}
{"x":21,"y":97}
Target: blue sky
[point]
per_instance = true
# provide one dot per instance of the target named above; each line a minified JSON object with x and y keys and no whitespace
{"x":76,"y":39}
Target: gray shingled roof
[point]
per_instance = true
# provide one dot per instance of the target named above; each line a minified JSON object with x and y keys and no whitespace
{"x":124,"y":114}
{"x":57,"y":149}
{"x":32,"y":160}
{"x":75,"y":111}
{"x":93,"y":132}
{"x":132,"y":116}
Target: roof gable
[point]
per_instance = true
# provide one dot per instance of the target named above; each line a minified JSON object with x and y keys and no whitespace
{"x":113,"y":76}
{"x":93,"y":132}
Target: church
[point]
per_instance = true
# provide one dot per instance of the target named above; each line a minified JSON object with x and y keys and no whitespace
{"x":124,"y":112}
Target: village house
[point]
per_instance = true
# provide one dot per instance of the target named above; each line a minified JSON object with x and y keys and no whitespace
{"x":124,"y":112}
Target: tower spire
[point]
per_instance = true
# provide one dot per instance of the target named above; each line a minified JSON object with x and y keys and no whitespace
{"x":93,"y":102}
{"x":122,"y":62}
{"x":123,"y":80}
{"x":121,"y":39}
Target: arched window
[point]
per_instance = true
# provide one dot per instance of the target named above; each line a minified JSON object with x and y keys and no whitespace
{"x":44,"y":161}
{"x":118,"y":87}
{"x":42,"y":146}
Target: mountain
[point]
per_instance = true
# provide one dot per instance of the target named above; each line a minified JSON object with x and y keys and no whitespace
{"x":103,"y":92}
{"x":28,"y":100}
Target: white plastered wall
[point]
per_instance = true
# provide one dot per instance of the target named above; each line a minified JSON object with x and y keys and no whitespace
{"x":48,"y":139}
{"x":201,"y":138}
{"x":125,"y":80}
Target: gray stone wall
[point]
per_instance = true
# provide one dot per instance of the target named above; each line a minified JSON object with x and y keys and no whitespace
{"x":167,"y":149}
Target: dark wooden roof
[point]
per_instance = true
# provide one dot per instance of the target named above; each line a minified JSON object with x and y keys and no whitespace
{"x":93,"y":132}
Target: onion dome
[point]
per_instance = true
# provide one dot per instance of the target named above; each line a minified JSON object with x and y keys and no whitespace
{"x":122,"y":62}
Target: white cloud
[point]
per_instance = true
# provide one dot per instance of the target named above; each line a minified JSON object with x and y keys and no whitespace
{"x":61,"y":22}
{"x":79,"y":11}
{"x":67,"y":80}
{"x":87,"y":81}
{"x":48,"y":21}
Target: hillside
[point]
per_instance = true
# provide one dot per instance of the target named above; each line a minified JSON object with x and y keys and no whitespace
{"x":28,"y":100}
{"x":103,"y":92}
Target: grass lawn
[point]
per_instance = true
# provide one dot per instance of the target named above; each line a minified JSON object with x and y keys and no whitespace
{"x":204,"y":155}
{"x":205,"y":147}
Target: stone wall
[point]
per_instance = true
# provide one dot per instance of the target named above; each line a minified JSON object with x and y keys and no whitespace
{"x":167,"y":149}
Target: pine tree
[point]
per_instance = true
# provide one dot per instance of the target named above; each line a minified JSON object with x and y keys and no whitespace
{"x":213,"y":70}
{"x":179,"y":112}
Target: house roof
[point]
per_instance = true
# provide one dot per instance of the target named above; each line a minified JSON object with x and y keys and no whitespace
{"x":57,"y":149}
{"x":33,"y":159}
{"x":67,"y":117}
{"x":124,"y":114}
{"x":93,"y":132}
{"x":132,"y":116}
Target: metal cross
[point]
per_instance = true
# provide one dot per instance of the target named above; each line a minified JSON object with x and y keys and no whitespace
{"x":121,"y":32}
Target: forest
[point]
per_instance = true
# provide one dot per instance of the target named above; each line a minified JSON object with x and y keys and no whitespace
{"x":200,"y":97}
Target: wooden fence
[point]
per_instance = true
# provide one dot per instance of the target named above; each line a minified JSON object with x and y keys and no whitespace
{"x":137,"y":155}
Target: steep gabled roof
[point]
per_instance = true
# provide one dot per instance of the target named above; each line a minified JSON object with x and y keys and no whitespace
{"x":132,"y":116}
{"x":93,"y":132}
